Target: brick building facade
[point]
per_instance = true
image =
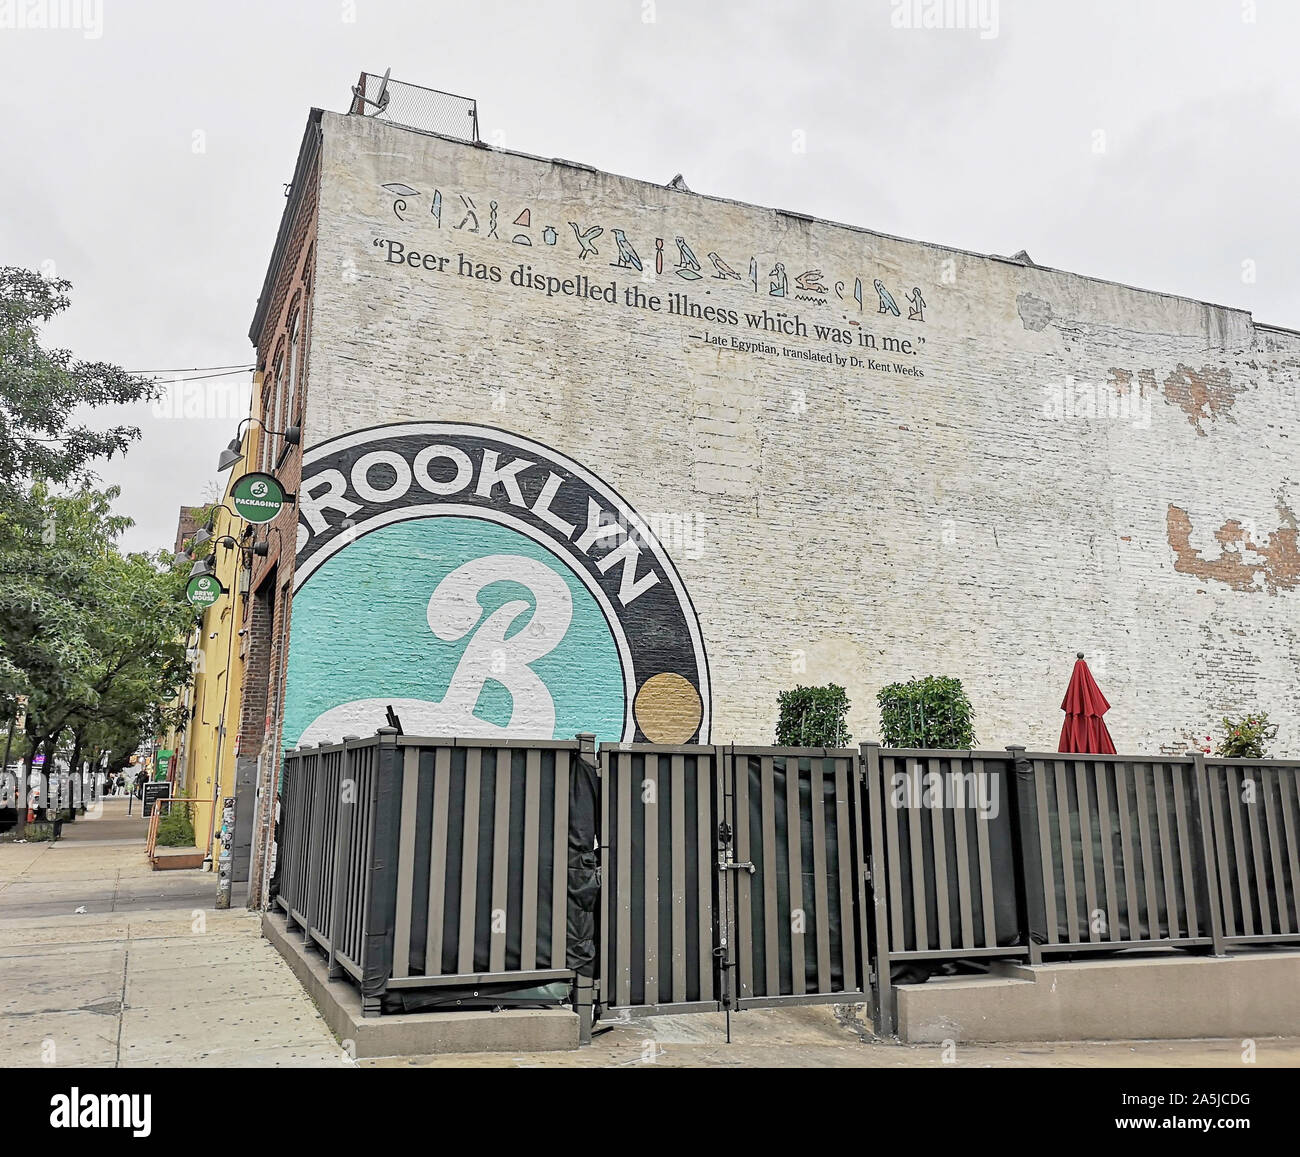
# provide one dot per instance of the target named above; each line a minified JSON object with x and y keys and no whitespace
{"x":279,"y":333}
{"x":586,"y":453}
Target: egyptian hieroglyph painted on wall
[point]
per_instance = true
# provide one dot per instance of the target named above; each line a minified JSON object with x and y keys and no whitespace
{"x":483,"y":586}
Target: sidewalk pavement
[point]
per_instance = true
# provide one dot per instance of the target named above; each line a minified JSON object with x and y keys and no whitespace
{"x":831,"y":1036}
{"x":149,"y":974}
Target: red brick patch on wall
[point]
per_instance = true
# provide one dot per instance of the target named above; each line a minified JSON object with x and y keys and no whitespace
{"x":1244,"y":565}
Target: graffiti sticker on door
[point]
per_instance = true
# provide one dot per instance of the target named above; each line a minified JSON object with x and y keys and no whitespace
{"x":486,"y":587}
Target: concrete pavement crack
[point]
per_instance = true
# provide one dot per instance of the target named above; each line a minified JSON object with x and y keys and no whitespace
{"x":105,"y":1007}
{"x":121,"y":1013}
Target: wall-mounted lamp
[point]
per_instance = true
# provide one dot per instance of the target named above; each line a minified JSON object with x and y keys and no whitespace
{"x":235,"y":451}
{"x":204,"y":533}
{"x":262,"y":548}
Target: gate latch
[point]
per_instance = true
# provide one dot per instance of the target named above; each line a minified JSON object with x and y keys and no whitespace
{"x":747,"y":865}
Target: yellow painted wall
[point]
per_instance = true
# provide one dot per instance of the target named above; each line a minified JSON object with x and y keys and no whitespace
{"x":209,"y":770}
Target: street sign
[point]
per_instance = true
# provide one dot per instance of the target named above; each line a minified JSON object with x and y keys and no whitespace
{"x":153,"y":792}
{"x":203,"y":590}
{"x":258,"y":497}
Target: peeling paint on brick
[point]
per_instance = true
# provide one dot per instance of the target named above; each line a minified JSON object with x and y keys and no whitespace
{"x":1122,"y":380}
{"x":1034,"y":312}
{"x":1204,"y":394}
{"x":1242,"y":564}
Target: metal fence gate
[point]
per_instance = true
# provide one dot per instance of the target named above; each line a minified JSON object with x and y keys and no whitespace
{"x":732,"y":878}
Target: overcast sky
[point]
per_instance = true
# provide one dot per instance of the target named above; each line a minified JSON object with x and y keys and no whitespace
{"x":984,"y":142}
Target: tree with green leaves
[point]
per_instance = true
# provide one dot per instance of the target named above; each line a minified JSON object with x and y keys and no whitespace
{"x":41,"y":390}
{"x":89,"y":635}
{"x":93,"y":637}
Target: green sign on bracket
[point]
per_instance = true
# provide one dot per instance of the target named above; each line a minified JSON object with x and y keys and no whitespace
{"x":203,"y":590}
{"x":258,"y":497}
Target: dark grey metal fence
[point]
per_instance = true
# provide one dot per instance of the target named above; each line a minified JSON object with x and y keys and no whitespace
{"x":658,"y":880}
{"x":941,"y":865}
{"x":482,"y":869}
{"x":1080,"y":853}
{"x":731,"y":878}
{"x":1115,"y":853}
{"x":432,"y":865}
{"x":1255,"y":811}
{"x":736,"y":877}
{"x":794,"y":898}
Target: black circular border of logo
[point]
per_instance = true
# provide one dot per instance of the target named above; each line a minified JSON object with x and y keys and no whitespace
{"x":661,"y":625}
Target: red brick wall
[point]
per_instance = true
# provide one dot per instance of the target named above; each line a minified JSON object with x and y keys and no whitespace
{"x":267,"y":611}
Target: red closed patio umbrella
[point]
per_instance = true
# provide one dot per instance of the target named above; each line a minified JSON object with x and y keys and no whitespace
{"x":1084,"y":732}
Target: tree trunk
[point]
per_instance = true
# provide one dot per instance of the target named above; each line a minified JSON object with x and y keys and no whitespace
{"x":24,"y":796}
{"x":74,"y":774}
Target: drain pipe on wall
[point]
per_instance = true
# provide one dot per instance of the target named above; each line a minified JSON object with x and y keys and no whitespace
{"x":221,"y":730}
{"x":272,"y":786}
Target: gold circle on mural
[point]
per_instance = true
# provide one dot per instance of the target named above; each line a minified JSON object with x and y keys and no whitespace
{"x":668,"y":708}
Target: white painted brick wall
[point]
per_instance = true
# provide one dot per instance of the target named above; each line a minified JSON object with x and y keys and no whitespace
{"x":894,"y":527}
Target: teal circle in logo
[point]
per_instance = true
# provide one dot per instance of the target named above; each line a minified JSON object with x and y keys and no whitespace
{"x":467,"y":627}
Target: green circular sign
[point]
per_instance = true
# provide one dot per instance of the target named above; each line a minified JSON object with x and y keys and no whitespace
{"x":203,"y":590}
{"x":258,"y":497}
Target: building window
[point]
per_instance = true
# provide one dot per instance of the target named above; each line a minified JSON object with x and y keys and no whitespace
{"x":295,"y":369}
{"x":276,"y":420}
{"x":268,"y":404}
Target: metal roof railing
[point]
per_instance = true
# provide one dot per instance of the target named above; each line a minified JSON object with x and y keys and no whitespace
{"x":423,"y":109}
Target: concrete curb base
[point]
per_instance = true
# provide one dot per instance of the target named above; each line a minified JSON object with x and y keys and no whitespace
{"x":416,"y":1034}
{"x":1172,"y":997}
{"x":171,"y":859}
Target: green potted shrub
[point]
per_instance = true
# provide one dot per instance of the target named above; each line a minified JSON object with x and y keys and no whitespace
{"x":813,"y":717}
{"x":932,"y":712}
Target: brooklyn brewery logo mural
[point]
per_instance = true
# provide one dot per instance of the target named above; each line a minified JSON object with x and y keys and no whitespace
{"x":486,"y":587}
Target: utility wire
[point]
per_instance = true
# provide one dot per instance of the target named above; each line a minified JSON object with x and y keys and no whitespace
{"x":226,"y":374}
{"x":190,"y":370}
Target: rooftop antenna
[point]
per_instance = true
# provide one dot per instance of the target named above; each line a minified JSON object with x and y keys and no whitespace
{"x":381,"y":98}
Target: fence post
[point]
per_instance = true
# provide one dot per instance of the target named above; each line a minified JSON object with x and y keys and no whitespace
{"x":584,"y":986}
{"x":380,"y":908}
{"x":306,"y":813}
{"x":1024,"y":855}
{"x":342,"y":833}
{"x":1207,"y":869}
{"x":884,"y":1010}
